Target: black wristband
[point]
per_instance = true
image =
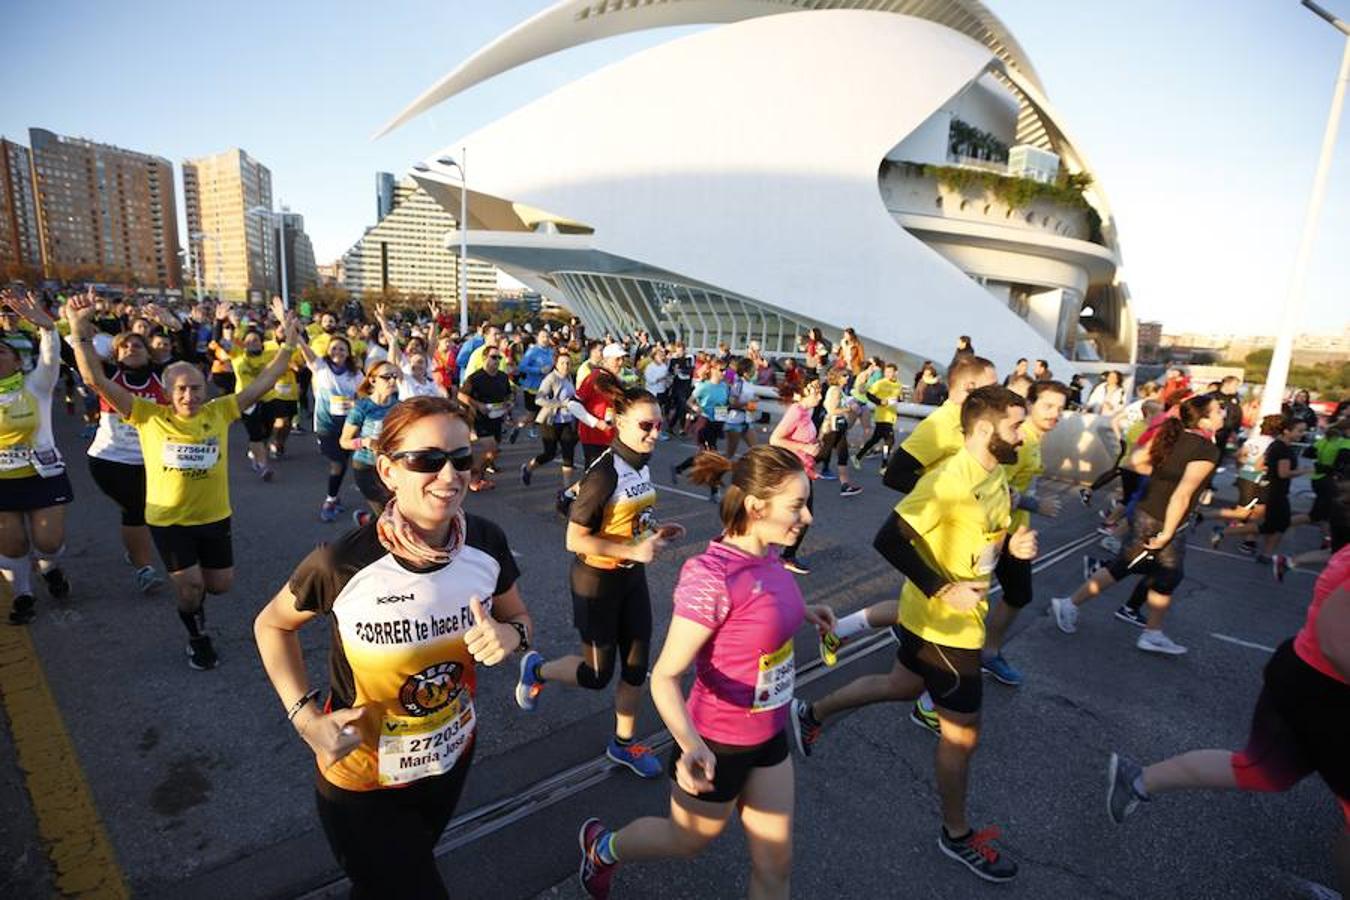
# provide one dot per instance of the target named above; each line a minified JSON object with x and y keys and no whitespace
{"x":524,"y":636}
{"x":299,"y":705}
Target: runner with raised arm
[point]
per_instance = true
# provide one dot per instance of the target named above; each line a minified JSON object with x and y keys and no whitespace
{"x":334,"y":379}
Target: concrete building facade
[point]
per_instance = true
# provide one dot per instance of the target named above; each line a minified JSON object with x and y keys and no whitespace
{"x":233,"y":249}
{"x":20,"y":241}
{"x":301,"y":271}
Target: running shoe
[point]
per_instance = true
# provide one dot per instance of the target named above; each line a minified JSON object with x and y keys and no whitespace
{"x":1216,"y":537}
{"x":796,"y":566}
{"x":22,"y":611}
{"x":148,"y":580}
{"x":1090,"y":566}
{"x":1279,"y":564}
{"x":534,"y":433}
{"x":1066,"y":614}
{"x":1128,"y":614}
{"x":1106,"y":530}
{"x":1157,"y":642}
{"x":976,"y":851}
{"x":595,"y":874}
{"x":266,"y":473}
{"x":1121,"y":797}
{"x":636,"y":757}
{"x":515,"y":433}
{"x":58,"y":585}
{"x":482,"y":484}
{"x":329,"y":511}
{"x":490,"y":469}
{"x":805,"y":729}
{"x":856,"y":461}
{"x":526,"y":473}
{"x":1247,"y":547}
{"x":126,"y":558}
{"x":201,"y":655}
{"x":1002,"y":671}
{"x":713,"y":495}
{"x":829,"y":648}
{"x":529,"y":686}
{"x":1085,"y":495}
{"x":850,"y":490}
{"x":828,"y":476}
{"x":361,"y":518}
{"x":925,"y":718}
{"x":1110,"y":544}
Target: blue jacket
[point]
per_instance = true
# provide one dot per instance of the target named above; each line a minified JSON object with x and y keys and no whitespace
{"x":466,"y":350}
{"x":534,"y":365}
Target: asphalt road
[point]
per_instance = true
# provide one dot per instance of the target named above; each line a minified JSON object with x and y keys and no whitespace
{"x":204,"y":790}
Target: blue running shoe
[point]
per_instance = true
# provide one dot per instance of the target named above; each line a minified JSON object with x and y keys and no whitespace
{"x":637,"y":757}
{"x":1001,"y":670}
{"x":530,"y":684}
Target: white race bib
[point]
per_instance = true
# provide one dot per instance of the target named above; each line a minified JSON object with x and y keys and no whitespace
{"x":285,"y":390}
{"x":339,"y":405}
{"x":124,"y":436}
{"x":987,"y":561}
{"x":721,"y":413}
{"x":496,"y":410}
{"x":190,"y":456}
{"x":774,"y":683}
{"x":16,"y":457}
{"x":413,"y":747}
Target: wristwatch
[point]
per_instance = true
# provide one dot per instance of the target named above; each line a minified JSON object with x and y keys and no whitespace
{"x":524,"y":637}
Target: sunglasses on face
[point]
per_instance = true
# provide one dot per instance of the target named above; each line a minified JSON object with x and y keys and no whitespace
{"x":387,"y":376}
{"x":494,"y":356}
{"x":648,"y":426}
{"x":433,"y":459}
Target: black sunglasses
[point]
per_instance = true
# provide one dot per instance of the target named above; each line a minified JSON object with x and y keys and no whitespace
{"x":433,"y":459}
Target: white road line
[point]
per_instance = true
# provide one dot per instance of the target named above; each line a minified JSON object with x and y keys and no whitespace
{"x":1246,"y":559}
{"x":682,"y":493}
{"x":1241,"y":643}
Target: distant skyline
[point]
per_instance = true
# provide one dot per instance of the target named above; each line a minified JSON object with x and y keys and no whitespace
{"x":1203,"y":129}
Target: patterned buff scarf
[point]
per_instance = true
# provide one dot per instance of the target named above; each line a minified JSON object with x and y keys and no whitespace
{"x":401,"y":539}
{"x":12,"y":384}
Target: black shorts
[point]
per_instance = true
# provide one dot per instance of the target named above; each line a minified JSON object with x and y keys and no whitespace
{"x":184,"y":546}
{"x":1278,"y":514}
{"x":282,"y":409}
{"x":612,"y":609}
{"x":710,"y":434}
{"x":331,"y":450}
{"x":258,"y":423}
{"x":1015,"y":576}
{"x":531,"y":403}
{"x":950,"y":674}
{"x":368,"y":482}
{"x":1251,"y":490}
{"x":125,"y":484}
{"x":734,"y":765}
{"x":1165,"y":568}
{"x":485,"y":428}
{"x":385,"y":839}
{"x":1298,"y":728}
{"x":35,"y":492}
{"x":834,"y":442}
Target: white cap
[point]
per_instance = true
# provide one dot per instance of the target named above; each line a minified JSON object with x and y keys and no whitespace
{"x":613,"y":351}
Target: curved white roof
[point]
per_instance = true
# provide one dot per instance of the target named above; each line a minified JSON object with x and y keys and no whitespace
{"x":571,"y":23}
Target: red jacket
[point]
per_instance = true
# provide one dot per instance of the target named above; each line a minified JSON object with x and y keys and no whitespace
{"x":597,"y":404}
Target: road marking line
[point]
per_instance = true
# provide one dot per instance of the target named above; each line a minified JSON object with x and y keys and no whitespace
{"x":1246,"y":559}
{"x":81,"y":855}
{"x":682,"y":493}
{"x":1241,"y":643}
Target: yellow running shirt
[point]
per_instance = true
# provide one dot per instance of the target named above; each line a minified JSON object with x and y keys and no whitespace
{"x":961,"y":513}
{"x":1023,"y":472}
{"x":937,"y":436}
{"x":286,"y":388}
{"x":18,"y":428}
{"x":886,"y":389}
{"x":186,"y":461}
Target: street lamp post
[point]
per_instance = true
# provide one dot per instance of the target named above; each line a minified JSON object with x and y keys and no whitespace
{"x":1278,"y":374}
{"x":451,"y":162}
{"x":199,"y":237}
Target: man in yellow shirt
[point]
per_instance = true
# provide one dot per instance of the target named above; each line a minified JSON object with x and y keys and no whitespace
{"x":884,"y":394}
{"x":946,"y":538}
{"x":186,"y":449}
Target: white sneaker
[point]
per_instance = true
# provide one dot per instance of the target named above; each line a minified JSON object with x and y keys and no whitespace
{"x":1157,"y":642}
{"x":1066,"y":614}
{"x":1110,"y":543}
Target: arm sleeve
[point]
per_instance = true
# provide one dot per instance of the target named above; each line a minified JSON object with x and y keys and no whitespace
{"x":701,"y":593}
{"x":902,"y":471}
{"x":894,"y":541}
{"x":592,"y":495}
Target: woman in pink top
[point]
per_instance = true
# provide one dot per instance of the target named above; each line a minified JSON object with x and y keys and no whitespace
{"x":1301,"y":723}
{"x":796,"y":431}
{"x":736,"y":611}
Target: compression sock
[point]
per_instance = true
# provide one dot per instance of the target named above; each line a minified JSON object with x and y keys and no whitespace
{"x":47,"y":561}
{"x":851,"y":624}
{"x":194,"y":620}
{"x":622,"y":741}
{"x":19,"y":573}
{"x":334,"y":484}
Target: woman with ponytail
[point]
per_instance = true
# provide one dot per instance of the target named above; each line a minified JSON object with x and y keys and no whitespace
{"x":1179,"y":462}
{"x":736,"y":612}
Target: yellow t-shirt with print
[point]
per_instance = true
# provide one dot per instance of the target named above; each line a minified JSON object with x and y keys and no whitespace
{"x":937,"y":436}
{"x":1027,"y":468}
{"x":246,"y":367}
{"x":286,"y":388}
{"x":186,"y":461}
{"x":886,"y":389}
{"x":19,"y":420}
{"x":961,"y":513}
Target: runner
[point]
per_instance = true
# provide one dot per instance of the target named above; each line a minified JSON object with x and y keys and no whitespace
{"x":536,"y":363}
{"x":115,"y":460}
{"x":417,"y":600}
{"x":741,"y":405}
{"x":612,"y":529}
{"x":187,"y":495}
{"x":34,"y":487}
{"x":945,"y":537}
{"x":491,"y":395}
{"x":736,"y":610}
{"x":658,"y":377}
{"x":1298,"y":725}
{"x":1180,"y":461}
{"x":885,"y":394}
{"x":334,"y":378}
{"x":248,"y":362}
{"x":710,"y":400}
{"x":557,"y":423}
{"x":282,"y":402}
{"x":375,"y":397}
{"x":592,"y":405}
{"x":796,"y":432}
{"x":839,"y":416}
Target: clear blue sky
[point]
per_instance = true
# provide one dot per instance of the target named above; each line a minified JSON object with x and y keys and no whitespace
{"x":1202,"y":120}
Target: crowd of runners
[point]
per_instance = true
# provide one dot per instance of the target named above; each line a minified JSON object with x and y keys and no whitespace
{"x":420,"y":590}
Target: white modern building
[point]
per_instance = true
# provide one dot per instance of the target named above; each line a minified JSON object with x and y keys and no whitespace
{"x":792,"y":167}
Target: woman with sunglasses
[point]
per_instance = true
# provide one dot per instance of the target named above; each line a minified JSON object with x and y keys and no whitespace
{"x":736,"y":611}
{"x":613,"y":531}
{"x":376,"y":395}
{"x":334,"y":381}
{"x":416,"y":600}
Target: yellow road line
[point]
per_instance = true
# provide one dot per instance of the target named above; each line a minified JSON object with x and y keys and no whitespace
{"x":82,"y":857}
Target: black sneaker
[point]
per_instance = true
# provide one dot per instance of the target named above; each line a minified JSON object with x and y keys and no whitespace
{"x":805,"y":730}
{"x":58,"y":585}
{"x":515,"y":433}
{"x":526,"y":473}
{"x":201,"y":655}
{"x":850,"y":490}
{"x":1121,"y":797}
{"x":1132,"y":616}
{"x":1247,"y":547}
{"x":22,"y":612}
{"x":976,"y":851}
{"x":796,"y":566}
{"x":1085,"y":496}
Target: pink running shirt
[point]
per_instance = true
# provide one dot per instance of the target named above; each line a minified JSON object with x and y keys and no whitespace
{"x":1335,"y":576}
